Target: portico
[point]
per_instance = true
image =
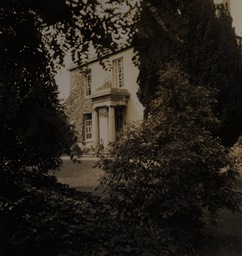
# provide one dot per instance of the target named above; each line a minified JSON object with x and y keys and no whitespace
{"x":109,"y":107}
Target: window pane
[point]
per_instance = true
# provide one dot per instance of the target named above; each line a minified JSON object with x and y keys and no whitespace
{"x":118,"y":75}
{"x":88,"y":82}
{"x":88,"y":126}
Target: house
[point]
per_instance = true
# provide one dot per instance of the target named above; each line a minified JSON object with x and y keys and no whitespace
{"x":102,"y":101}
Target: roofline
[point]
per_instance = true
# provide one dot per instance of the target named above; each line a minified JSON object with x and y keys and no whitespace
{"x":94,"y":59}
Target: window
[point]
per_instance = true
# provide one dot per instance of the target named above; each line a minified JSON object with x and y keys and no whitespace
{"x":118,"y":73}
{"x":88,"y":126}
{"x":88,"y":82}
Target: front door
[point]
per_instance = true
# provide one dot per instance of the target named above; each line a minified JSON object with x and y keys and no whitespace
{"x":119,"y":118}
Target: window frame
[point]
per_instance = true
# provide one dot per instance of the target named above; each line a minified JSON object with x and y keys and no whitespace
{"x":88,"y":82}
{"x":118,"y":73}
{"x":88,"y":127}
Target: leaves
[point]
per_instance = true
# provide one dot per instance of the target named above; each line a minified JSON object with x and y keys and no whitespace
{"x":170,"y":169}
{"x":200,"y":37}
{"x":34,"y":130}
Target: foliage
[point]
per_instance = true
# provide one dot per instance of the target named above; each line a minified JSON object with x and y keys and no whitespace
{"x":206,"y":48}
{"x":170,"y":169}
{"x":34,"y":133}
{"x":68,"y":25}
{"x":34,"y":130}
{"x":165,"y":161}
{"x":42,"y":217}
{"x":157,"y":28}
{"x":215,"y":62}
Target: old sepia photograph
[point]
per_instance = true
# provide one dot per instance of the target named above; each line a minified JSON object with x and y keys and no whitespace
{"x":121,"y":127}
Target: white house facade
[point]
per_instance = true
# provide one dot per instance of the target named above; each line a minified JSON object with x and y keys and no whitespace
{"x":102,"y":101}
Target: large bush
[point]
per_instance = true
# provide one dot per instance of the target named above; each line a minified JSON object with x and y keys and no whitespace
{"x":169,"y":170}
{"x":42,"y":217}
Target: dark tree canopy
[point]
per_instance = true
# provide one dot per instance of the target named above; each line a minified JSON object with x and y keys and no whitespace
{"x":156,"y":29}
{"x":69,"y":25}
{"x":204,"y":42}
{"x":31,"y":115}
{"x":211,"y":56}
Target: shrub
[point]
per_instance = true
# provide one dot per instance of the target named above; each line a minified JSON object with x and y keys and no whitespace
{"x":42,"y":217}
{"x":169,"y":170}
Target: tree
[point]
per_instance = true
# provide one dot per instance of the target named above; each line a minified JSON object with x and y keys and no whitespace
{"x":214,"y":59}
{"x":32,"y":117}
{"x":208,"y":52}
{"x":171,"y":169}
{"x":67,"y":25}
{"x":156,"y":28}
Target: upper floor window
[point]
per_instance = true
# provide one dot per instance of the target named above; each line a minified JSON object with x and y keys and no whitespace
{"x":88,"y":82}
{"x":118,"y":73}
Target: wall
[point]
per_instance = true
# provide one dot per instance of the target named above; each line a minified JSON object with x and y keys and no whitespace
{"x":77,"y":104}
{"x":100,"y":77}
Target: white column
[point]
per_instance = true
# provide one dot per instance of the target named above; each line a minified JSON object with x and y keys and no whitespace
{"x":111,"y":124}
{"x":95,"y":128}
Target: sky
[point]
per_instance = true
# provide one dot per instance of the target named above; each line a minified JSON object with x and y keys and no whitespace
{"x":236,"y":13}
{"x":62,"y":79}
